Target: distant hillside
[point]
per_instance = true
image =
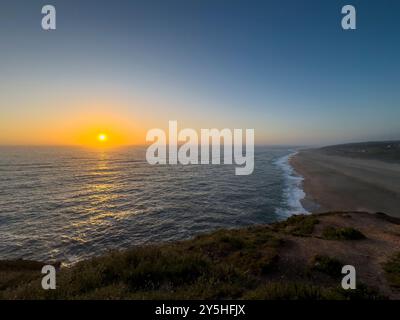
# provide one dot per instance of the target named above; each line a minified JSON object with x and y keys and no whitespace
{"x":300,"y":258}
{"x":382,"y":150}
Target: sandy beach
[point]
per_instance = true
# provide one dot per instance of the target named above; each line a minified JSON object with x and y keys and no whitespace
{"x":343,"y":183}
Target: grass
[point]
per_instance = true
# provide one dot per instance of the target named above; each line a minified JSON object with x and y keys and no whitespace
{"x":392,"y":270}
{"x":286,"y":291}
{"x":248,"y":263}
{"x":222,"y":265}
{"x":13,"y":273}
{"x":362,"y":292}
{"x":306,"y":291}
{"x":380,"y":150}
{"x":298,"y":225}
{"x":332,"y":233}
{"x":327,"y":265}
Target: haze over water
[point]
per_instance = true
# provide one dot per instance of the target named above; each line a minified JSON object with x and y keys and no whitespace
{"x":70,"y":203}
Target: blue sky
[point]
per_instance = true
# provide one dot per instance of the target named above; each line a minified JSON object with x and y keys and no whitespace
{"x":284,"y":68}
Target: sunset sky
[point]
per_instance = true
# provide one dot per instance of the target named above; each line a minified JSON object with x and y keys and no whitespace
{"x":284,"y":68}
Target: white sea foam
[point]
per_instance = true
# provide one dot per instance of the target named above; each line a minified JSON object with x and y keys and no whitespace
{"x":293,"y":191}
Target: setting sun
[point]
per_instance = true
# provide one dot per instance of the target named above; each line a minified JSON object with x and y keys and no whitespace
{"x":102,"y":137}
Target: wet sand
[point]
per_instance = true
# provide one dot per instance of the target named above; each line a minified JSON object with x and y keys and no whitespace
{"x":339,"y":183}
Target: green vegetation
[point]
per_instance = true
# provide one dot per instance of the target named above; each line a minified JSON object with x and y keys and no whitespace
{"x":327,"y":265}
{"x":298,"y":225}
{"x":379,"y":150}
{"x":392,"y":270}
{"x":224,"y":264}
{"x":286,"y":291}
{"x":278,"y":261}
{"x":362,"y":292}
{"x":305,"y":291}
{"x":13,"y":273}
{"x":331,"y":233}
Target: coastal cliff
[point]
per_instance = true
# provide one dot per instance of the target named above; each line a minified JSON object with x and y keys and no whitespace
{"x":300,"y":258}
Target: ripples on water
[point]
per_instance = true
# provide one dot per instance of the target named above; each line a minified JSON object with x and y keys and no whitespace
{"x":72,"y":203}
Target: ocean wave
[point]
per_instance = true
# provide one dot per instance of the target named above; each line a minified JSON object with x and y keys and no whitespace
{"x":89,"y":203}
{"x":293,"y":191}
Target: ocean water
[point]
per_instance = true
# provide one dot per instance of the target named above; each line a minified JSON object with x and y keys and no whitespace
{"x":70,"y":203}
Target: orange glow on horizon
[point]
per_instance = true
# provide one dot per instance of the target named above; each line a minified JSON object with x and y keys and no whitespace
{"x":93,"y":137}
{"x":97,"y":123}
{"x":102,"y":128}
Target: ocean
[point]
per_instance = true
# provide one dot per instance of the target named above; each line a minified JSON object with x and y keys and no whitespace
{"x":71,"y":203}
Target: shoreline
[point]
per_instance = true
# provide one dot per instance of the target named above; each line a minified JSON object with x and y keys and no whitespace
{"x":339,"y":183}
{"x":308,"y":202}
{"x":293,"y":191}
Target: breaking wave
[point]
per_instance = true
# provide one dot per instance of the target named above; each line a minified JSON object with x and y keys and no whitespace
{"x":292,"y":191}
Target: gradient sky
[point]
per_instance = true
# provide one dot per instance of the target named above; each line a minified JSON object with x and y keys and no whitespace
{"x":284,"y":68}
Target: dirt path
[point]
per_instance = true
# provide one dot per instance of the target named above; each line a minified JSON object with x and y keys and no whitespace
{"x":367,"y":256}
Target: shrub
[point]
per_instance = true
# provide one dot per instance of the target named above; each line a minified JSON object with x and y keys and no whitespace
{"x":392,"y":270}
{"x":331,"y":233}
{"x":327,"y":265}
{"x":298,"y":225}
{"x":362,"y":292}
